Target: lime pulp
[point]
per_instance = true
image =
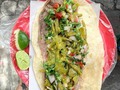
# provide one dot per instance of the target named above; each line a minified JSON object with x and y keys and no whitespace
{"x":23,"y":60}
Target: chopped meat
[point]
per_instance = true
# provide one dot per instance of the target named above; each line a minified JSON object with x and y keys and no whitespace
{"x":57,"y":1}
{"x":49,"y":6}
{"x":42,"y":32}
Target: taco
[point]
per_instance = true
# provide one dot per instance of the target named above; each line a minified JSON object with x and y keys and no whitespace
{"x":69,"y":53}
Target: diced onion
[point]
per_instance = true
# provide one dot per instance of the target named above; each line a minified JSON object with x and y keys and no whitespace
{"x":67,"y":79}
{"x":85,"y":47}
{"x":70,"y":8}
{"x":63,"y":13}
{"x":82,"y":50}
{"x":69,"y":52}
{"x":65,"y":85}
{"x":51,"y":78}
{"x":78,"y":57}
{"x":49,"y":88}
{"x":70,"y":11}
{"x":48,"y":45}
{"x":72,"y":38}
{"x":67,"y":28}
{"x":66,"y":16}
{"x":49,"y":37}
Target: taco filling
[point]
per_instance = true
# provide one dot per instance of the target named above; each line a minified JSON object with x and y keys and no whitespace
{"x":62,"y":33}
{"x":66,"y":46}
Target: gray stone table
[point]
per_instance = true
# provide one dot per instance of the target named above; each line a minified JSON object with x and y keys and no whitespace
{"x":10,"y":10}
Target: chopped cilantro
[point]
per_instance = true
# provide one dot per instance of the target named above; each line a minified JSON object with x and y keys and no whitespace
{"x":62,"y":8}
{"x":49,"y":34}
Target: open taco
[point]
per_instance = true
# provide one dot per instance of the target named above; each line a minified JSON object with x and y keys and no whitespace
{"x":69,"y":53}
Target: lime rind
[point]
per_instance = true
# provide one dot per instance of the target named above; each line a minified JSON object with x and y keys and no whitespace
{"x":23,"y":60}
{"x":16,"y":39}
{"x":23,"y":40}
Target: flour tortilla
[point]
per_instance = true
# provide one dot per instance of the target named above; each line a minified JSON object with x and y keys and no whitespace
{"x":93,"y":70}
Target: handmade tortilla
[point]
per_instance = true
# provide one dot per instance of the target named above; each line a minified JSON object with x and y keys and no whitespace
{"x":92,"y":73}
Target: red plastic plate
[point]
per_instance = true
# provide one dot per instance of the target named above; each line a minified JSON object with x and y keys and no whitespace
{"x":105,"y":29}
{"x":109,"y":44}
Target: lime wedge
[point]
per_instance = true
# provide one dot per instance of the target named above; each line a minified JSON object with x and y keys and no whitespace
{"x":21,"y":39}
{"x":23,"y":60}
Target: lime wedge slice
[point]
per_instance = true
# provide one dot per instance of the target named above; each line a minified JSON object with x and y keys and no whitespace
{"x":21,"y":39}
{"x":23,"y":60}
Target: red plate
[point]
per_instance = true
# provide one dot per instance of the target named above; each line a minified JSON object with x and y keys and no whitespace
{"x":109,"y":44}
{"x":105,"y":29}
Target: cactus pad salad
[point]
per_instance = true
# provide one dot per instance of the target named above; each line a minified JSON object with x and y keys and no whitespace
{"x":66,"y":46}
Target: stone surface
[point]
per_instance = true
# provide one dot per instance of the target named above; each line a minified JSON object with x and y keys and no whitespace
{"x":8,"y":8}
{"x":8,"y":77}
{"x":106,"y":3}
{"x":22,"y":4}
{"x":114,"y":17}
{"x":113,"y":81}
{"x":118,"y":4}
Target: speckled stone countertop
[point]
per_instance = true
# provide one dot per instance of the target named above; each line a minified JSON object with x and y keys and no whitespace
{"x":10,"y":10}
